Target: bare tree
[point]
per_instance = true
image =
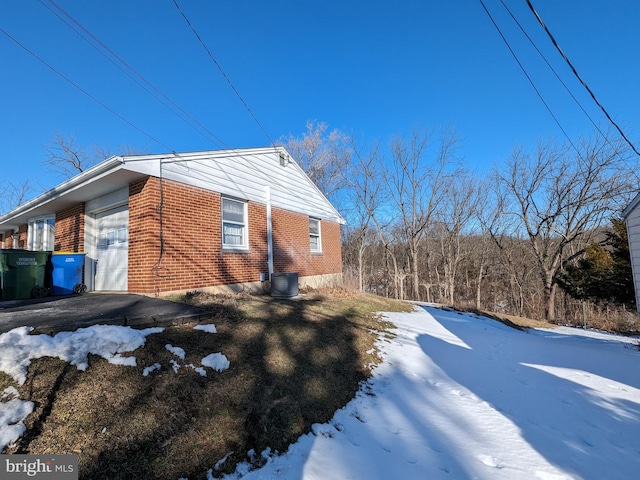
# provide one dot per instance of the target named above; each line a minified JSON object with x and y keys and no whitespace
{"x":323,"y":155}
{"x":365,"y":188}
{"x":68,"y":159}
{"x":389,"y":243}
{"x":417,"y":187}
{"x":559,"y":196}
{"x":458,"y":208}
{"x":487,"y":214}
{"x":65,"y":157}
{"x":14,"y":194}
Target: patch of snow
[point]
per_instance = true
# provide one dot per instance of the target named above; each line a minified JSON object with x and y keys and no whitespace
{"x":148,"y":370}
{"x":200,"y":370}
{"x":12,"y":415}
{"x":175,"y":365}
{"x":209,"y":328}
{"x":9,"y":393}
{"x":18,"y":348}
{"x":217,"y":361}
{"x":177,"y":351}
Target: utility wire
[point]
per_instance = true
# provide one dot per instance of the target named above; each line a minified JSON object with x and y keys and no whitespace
{"x":222,"y":72}
{"x":575,"y":72}
{"x":132,"y":72}
{"x":528,"y":77}
{"x":103,"y":105}
{"x":552,"y":69}
{"x":177,"y":156}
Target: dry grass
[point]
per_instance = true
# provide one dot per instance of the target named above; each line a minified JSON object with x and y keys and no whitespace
{"x":618,"y":321}
{"x":293,"y":363}
{"x":513,"y":321}
{"x":516,"y":321}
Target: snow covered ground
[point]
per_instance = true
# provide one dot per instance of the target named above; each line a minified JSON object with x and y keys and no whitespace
{"x":456,"y":397}
{"x":462,"y":397}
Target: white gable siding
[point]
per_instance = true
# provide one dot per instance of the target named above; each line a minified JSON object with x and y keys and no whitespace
{"x":633,"y":231}
{"x":243,"y":174}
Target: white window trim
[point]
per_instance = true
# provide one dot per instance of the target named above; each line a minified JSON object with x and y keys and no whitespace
{"x":319,"y":235}
{"x":245,"y":225}
{"x":48,"y":238}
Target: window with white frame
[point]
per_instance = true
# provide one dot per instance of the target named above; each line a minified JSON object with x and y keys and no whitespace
{"x":234,"y":223}
{"x":41,"y":233}
{"x":314,"y":235}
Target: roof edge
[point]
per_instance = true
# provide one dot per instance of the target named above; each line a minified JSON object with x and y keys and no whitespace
{"x":634,"y":203}
{"x":184,"y":156}
{"x":111,"y":163}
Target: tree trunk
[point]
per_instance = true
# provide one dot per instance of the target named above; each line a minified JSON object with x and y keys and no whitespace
{"x":479,"y":287}
{"x":360,"y":268}
{"x":416,"y":277}
{"x":550,"y":297}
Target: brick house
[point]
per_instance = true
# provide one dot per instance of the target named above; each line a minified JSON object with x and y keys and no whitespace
{"x":161,"y":224}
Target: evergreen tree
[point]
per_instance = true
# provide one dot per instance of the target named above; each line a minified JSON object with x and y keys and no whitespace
{"x":604,"y":273}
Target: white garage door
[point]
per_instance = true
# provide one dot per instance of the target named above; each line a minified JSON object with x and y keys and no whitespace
{"x":112,"y":252}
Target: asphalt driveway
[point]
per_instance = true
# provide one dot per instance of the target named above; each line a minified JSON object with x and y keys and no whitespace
{"x":54,"y":314}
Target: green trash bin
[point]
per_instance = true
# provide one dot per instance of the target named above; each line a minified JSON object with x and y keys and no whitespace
{"x":23,"y":274}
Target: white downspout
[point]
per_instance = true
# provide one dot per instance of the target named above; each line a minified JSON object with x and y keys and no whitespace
{"x":267,"y":191}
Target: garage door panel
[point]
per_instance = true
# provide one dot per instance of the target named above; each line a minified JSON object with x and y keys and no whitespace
{"x":112,"y":250}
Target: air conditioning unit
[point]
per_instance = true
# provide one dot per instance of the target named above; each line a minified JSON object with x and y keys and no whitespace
{"x":284,"y":285}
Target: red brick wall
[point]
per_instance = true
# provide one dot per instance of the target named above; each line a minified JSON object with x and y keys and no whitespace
{"x":7,"y":240}
{"x":22,"y":231}
{"x":144,"y":240}
{"x":191,"y":229}
{"x":291,"y":248}
{"x":193,"y":256}
{"x":23,"y":235}
{"x":69,"y":236}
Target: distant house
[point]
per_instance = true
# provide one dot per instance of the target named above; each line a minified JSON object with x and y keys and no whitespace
{"x":631,"y":214}
{"x":161,"y":224}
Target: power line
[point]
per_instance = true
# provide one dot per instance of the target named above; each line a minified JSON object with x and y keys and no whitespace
{"x":137,"y":74}
{"x":105,"y":47}
{"x":103,"y":105}
{"x":552,"y":69}
{"x":222,"y":71}
{"x":575,"y":72}
{"x":132,"y":70}
{"x":526,"y":74}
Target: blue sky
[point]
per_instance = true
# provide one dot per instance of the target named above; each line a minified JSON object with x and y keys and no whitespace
{"x":372,"y":68}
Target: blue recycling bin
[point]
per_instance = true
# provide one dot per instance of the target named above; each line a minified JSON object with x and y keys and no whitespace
{"x":66,"y":274}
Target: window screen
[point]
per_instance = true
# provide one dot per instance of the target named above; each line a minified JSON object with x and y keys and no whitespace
{"x":234,"y":226}
{"x":314,"y":235}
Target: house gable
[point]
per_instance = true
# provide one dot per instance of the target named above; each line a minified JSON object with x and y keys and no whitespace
{"x":243,"y":174}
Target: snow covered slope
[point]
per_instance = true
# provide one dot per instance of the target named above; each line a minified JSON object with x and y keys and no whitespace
{"x":464,"y":397}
